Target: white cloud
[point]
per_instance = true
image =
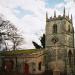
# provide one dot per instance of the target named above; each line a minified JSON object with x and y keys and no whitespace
{"x":29,"y":25}
{"x":61,"y":5}
{"x":29,"y":16}
{"x":51,"y":11}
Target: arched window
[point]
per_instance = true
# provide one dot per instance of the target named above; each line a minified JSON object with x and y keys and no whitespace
{"x":70,"y":56}
{"x":68,"y":28}
{"x":39,"y":66}
{"x":33,"y":66}
{"x":55,"y":28}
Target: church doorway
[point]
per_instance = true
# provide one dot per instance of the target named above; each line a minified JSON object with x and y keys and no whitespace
{"x":8,"y":65}
{"x":26,"y":69}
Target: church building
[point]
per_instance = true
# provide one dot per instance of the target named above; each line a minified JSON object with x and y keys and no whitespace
{"x":60,"y":44}
{"x":57,"y":56}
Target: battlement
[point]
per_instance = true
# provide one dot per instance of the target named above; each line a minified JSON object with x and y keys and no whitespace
{"x":59,"y":17}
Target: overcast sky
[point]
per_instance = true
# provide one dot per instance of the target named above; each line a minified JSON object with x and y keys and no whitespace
{"x":29,"y":15}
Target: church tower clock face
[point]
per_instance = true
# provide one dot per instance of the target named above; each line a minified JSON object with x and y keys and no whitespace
{"x":54,"y":40}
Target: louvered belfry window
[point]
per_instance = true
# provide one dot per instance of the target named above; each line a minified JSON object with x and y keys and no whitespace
{"x":55,"y":28}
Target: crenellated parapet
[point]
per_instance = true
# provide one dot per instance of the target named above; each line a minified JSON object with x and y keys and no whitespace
{"x":59,"y":17}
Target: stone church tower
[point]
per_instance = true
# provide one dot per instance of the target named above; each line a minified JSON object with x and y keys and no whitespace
{"x":60,"y":44}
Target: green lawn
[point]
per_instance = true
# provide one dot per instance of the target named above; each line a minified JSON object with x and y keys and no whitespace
{"x":29,"y":51}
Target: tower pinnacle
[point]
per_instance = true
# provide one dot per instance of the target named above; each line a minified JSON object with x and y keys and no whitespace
{"x":71,"y":17}
{"x":46,"y":16}
{"x":68,"y":14}
{"x":64,"y":12}
{"x":54,"y":13}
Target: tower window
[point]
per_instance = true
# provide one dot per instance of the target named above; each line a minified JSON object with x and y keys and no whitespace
{"x":55,"y":28}
{"x":39,"y":66}
{"x":69,"y":53}
{"x":33,"y":66}
{"x":70,"y":56}
{"x":68,"y":28}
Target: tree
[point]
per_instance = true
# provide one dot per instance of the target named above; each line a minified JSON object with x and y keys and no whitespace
{"x":16,"y":39}
{"x":11,"y":33}
{"x":2,"y":34}
{"x":14,"y":36}
{"x":36,"y":45}
{"x":42,"y":40}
